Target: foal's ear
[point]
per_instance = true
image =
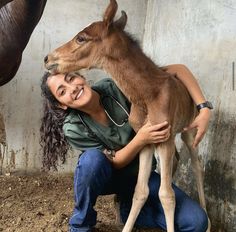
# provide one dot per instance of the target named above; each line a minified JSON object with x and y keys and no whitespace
{"x":121,"y":22}
{"x":110,"y":12}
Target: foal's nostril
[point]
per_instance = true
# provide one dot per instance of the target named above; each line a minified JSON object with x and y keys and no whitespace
{"x":45,"y":59}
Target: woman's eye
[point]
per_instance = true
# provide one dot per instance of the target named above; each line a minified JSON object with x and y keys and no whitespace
{"x":80,"y":39}
{"x":62,"y":92}
{"x":71,"y":78}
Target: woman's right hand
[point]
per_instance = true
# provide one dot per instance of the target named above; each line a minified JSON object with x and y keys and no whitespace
{"x":149,"y":134}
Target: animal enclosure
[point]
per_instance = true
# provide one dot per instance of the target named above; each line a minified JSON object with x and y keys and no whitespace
{"x":200,"y":34}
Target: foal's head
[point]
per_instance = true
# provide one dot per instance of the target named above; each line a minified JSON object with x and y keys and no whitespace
{"x":93,"y":45}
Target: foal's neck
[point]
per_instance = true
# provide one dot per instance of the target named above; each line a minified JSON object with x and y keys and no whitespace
{"x":135,"y":74}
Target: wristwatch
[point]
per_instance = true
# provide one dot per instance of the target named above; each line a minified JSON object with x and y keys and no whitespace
{"x":206,"y":104}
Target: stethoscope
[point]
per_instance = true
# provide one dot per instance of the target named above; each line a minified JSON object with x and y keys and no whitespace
{"x":124,"y":121}
{"x":109,"y":116}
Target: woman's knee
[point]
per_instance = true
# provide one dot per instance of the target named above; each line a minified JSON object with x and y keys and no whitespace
{"x":93,"y":162}
{"x":195,"y":221}
{"x":200,"y":221}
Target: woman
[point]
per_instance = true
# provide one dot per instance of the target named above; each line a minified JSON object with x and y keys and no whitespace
{"x":94,"y":121}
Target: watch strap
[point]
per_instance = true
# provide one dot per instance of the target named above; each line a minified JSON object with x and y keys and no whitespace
{"x":205,"y":104}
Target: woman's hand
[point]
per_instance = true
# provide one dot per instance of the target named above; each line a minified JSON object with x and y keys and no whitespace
{"x":158,"y":133}
{"x":201,"y":124}
{"x":147,"y":134}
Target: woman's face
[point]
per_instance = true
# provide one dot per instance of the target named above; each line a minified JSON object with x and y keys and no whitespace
{"x":71,"y":90}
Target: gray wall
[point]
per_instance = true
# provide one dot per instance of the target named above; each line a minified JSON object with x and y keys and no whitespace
{"x":20,"y":100}
{"x":200,"y":34}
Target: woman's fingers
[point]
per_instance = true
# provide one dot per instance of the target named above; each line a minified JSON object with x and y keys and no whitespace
{"x":198,"y":138}
{"x":162,"y":132}
{"x":158,"y":126}
{"x":154,"y":133}
{"x":161,"y":138}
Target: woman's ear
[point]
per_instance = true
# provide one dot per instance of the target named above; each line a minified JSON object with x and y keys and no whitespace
{"x":62,"y":106}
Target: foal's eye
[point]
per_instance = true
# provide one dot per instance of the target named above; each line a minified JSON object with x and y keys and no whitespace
{"x":80,"y":39}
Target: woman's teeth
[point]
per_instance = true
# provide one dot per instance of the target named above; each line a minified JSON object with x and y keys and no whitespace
{"x":80,"y":93}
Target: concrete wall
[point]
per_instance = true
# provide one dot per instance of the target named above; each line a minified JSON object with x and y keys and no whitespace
{"x":20,"y":100}
{"x":202,"y":35}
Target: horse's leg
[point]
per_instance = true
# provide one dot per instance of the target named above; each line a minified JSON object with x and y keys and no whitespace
{"x":117,"y":211}
{"x":166,"y":153}
{"x":175,"y":162}
{"x":188,"y":138}
{"x":141,"y":190}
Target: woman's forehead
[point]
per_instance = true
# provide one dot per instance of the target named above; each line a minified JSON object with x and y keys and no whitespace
{"x":56,"y":78}
{"x":54,"y":81}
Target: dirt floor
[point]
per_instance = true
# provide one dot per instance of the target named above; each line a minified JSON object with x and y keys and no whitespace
{"x":43,"y":203}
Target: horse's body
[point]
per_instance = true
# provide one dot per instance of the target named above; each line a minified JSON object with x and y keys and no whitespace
{"x":155,"y":95}
{"x":18,"y":19}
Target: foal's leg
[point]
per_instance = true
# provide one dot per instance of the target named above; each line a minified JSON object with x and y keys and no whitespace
{"x":117,"y":211}
{"x":175,"y":162}
{"x":188,"y":138}
{"x":166,"y":153}
{"x":141,"y":190}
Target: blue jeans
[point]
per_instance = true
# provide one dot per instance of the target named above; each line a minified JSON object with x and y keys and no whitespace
{"x":94,"y":176}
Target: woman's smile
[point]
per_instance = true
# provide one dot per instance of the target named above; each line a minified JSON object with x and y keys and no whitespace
{"x":79,"y":94}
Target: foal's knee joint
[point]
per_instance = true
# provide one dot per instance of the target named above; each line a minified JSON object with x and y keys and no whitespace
{"x":141,"y":194}
{"x":167,"y":198}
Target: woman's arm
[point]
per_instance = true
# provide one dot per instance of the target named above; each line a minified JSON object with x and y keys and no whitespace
{"x":187,"y":78}
{"x":146,"y":135}
{"x":202,"y":120}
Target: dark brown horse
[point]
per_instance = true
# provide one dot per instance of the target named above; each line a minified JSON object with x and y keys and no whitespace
{"x":18,"y":19}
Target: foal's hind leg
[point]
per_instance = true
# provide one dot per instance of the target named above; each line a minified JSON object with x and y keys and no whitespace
{"x":175,"y":162}
{"x":188,"y":138}
{"x":119,"y":223}
{"x":141,"y":190}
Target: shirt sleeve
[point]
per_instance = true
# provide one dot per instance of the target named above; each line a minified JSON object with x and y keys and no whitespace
{"x":79,"y":138}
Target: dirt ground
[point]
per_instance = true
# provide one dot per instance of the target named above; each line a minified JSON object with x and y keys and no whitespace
{"x":43,"y":203}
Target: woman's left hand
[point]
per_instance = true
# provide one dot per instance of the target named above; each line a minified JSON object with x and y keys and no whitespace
{"x":201,"y":124}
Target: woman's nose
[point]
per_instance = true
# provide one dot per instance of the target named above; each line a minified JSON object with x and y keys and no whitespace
{"x":74,"y":89}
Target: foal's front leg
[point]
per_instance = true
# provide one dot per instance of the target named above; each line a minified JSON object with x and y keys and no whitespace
{"x":166,"y":193}
{"x":141,"y":190}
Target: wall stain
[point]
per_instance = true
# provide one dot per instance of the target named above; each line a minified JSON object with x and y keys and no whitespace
{"x":2,"y":131}
{"x":26,"y":160}
{"x":3,"y":143}
{"x":220,"y":169}
{"x":219,"y":156}
{"x":12,"y":159}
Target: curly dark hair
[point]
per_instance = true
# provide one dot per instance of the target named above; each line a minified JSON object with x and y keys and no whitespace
{"x":52,"y":141}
